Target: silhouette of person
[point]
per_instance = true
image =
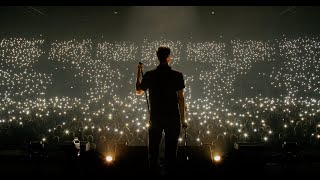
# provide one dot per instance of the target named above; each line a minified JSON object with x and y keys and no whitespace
{"x":167,"y":108}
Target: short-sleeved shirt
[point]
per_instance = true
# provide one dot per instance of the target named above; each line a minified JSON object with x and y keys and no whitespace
{"x":163,"y":84}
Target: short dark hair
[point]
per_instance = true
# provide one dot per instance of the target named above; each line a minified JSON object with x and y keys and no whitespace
{"x":163,"y":52}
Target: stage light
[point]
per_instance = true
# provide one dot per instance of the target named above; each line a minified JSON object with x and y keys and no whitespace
{"x":217,"y":158}
{"x":109,"y":159}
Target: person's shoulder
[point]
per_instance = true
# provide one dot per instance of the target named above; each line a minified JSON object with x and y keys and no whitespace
{"x":176,"y":72}
{"x":151,"y":71}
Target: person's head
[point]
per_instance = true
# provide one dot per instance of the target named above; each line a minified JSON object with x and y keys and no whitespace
{"x":163,"y":54}
{"x":90,"y":138}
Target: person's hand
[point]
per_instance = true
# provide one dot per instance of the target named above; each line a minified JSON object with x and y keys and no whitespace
{"x":139,"y":74}
{"x":185,"y":125}
{"x":149,"y":124}
{"x":140,"y":66}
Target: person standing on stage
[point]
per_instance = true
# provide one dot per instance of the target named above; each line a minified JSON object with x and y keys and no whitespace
{"x":167,"y":108}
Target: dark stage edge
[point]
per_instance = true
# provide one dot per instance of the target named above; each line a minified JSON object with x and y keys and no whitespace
{"x":15,"y":163}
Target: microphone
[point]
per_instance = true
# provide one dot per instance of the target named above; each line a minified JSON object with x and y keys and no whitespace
{"x":140,"y":63}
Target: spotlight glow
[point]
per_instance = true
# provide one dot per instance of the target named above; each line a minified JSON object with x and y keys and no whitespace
{"x":217,"y":158}
{"x":109,"y":159}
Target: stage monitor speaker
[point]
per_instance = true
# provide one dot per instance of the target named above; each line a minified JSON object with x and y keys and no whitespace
{"x":291,"y":147}
{"x":243,"y":146}
{"x":251,"y":154}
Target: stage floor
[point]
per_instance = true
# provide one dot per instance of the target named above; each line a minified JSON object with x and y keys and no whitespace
{"x":15,"y":163}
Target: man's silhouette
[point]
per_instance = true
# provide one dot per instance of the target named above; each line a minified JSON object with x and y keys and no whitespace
{"x":167,"y":108}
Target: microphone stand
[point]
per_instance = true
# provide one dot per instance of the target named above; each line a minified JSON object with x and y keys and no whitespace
{"x":146,"y":95}
{"x":186,"y":144}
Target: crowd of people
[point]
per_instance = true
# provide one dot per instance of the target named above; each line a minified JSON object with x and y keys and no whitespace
{"x":238,"y":90}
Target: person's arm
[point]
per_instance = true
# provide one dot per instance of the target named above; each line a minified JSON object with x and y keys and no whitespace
{"x":139,"y":91}
{"x":182,"y":109}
